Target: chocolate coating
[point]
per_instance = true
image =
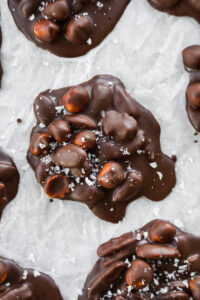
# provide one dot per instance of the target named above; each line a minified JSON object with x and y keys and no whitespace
{"x":67,"y":28}
{"x":113,"y":153}
{"x":133,"y":267}
{"x":9,"y":180}
{"x":179,"y":8}
{"x":191,"y":60}
{"x":25,"y":284}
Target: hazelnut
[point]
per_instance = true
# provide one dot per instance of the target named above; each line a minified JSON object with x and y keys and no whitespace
{"x":193,"y":94}
{"x":3,"y":272}
{"x":79,"y":30}
{"x":75,"y":99}
{"x":46,"y":30}
{"x":111,"y":175}
{"x":58,"y":10}
{"x":85,"y":139}
{"x":40,"y":143}
{"x":191,"y":57}
{"x":59,"y":130}
{"x":57,"y":186}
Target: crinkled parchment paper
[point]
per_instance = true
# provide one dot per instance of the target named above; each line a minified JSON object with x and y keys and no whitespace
{"x":144,"y":51}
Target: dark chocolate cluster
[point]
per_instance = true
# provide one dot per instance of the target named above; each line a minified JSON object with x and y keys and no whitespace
{"x":191,"y":59}
{"x":17,"y":283}
{"x":95,"y":144}
{"x":190,"y":8}
{"x":9,"y":180}
{"x":67,"y":28}
{"x":158,"y":261}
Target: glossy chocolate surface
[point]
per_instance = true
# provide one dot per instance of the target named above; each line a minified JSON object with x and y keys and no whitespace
{"x":191,"y":60}
{"x":9,"y":180}
{"x":110,"y":153}
{"x":158,"y":261}
{"x":179,"y":8}
{"x":25,"y":284}
{"x":69,"y":28}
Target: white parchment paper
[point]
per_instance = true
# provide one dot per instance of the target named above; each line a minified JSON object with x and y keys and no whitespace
{"x":144,"y":51}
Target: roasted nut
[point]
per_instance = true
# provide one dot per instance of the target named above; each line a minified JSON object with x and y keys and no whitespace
{"x":191,"y":57}
{"x":104,"y":280}
{"x":139,"y":275}
{"x":57,"y":186}
{"x":40,"y":143}
{"x":85,"y":139}
{"x":129,"y":188}
{"x":111,"y":175}
{"x":120,"y":125}
{"x":162,"y":232}
{"x":58,"y":10}
{"x":19,"y":292}
{"x":59,"y":130}
{"x":101,"y":98}
{"x":193,"y":94}
{"x":79,"y":30}
{"x":46,"y":30}
{"x":165,"y":3}
{"x":69,"y":156}
{"x":28,"y":7}
{"x":75,"y":99}
{"x":153,"y":251}
{"x":3,"y":272}
{"x":195,"y":287}
{"x":83,"y":171}
{"x":81,"y":121}
{"x":42,"y":171}
{"x":194,"y":263}
{"x":87,"y":194}
{"x":44,"y":109}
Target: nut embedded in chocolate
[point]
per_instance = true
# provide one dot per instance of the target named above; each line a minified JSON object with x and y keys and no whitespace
{"x":75,"y":99}
{"x":69,"y":28}
{"x":59,"y":130}
{"x":46,"y":30}
{"x":162,"y":232}
{"x":193,"y":94}
{"x":111,"y":175}
{"x":9,"y":180}
{"x":25,"y":284}
{"x":58,"y":10}
{"x":57,"y":186}
{"x":147,"y":278}
{"x":104,"y":142}
{"x":79,"y":30}
{"x":191,"y":57}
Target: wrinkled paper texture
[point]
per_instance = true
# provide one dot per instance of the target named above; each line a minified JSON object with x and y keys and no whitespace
{"x":144,"y":51}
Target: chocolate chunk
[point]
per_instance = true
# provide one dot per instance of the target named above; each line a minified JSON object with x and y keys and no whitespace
{"x":191,"y":59}
{"x":150,"y":277}
{"x":64,"y":27}
{"x":103,"y":143}
{"x":9,"y":180}
{"x":25,"y":284}
{"x":178,"y":8}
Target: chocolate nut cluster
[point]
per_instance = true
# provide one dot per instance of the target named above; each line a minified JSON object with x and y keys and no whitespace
{"x":95,"y":144}
{"x":191,"y":59}
{"x":9,"y":180}
{"x":158,"y":261}
{"x":67,"y":28}
{"x":25,"y":284}
{"x":190,"y":8}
